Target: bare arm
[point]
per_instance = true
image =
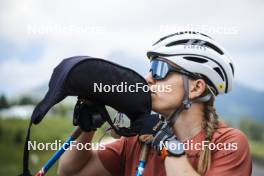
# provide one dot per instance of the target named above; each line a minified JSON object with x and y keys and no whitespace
{"x":81,"y":162}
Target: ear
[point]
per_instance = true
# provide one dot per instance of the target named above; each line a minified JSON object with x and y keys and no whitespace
{"x":196,"y":88}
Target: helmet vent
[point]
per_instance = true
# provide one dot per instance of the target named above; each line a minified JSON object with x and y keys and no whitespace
{"x":232,"y":68}
{"x":219,"y":72}
{"x":196,"y":59}
{"x":212,"y":46}
{"x":178,"y":42}
{"x":180,"y":33}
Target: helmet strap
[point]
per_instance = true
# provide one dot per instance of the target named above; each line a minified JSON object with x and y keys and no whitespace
{"x":186,"y":102}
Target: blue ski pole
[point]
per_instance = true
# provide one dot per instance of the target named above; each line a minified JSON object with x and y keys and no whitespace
{"x":75,"y":134}
{"x":142,"y":160}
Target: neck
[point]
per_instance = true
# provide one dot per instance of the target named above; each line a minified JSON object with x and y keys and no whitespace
{"x":189,"y":122}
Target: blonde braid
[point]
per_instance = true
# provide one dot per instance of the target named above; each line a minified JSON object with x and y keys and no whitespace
{"x":210,"y":123}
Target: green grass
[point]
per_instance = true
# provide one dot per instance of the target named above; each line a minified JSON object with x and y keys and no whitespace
{"x":12,"y":136}
{"x":257,"y":151}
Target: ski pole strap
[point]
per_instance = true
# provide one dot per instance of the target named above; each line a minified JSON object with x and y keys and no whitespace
{"x":26,"y":171}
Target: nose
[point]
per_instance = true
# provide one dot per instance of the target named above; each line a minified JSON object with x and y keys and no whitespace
{"x":149,"y":79}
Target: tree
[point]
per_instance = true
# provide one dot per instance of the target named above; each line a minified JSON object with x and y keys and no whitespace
{"x":3,"y":102}
{"x":1,"y":131}
{"x":26,"y":100}
{"x":253,"y":129}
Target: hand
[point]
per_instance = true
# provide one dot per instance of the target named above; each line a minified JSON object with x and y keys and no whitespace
{"x":88,"y":115}
{"x":153,"y":131}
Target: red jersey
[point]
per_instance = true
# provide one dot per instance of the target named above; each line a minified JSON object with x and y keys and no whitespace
{"x":121,"y":156}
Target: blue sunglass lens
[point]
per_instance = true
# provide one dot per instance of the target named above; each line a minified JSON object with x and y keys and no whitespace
{"x":159,"y":69}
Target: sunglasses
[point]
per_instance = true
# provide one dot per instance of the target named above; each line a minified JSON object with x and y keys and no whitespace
{"x":160,"y":69}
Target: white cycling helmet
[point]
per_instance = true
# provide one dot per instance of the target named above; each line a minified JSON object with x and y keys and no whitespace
{"x":199,"y":54}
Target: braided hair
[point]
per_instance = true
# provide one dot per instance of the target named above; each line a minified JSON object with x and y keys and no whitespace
{"x":209,"y":124}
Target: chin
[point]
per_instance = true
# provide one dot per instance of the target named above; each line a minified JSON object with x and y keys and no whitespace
{"x":157,"y":109}
{"x":154,"y":108}
{"x":165,"y":112}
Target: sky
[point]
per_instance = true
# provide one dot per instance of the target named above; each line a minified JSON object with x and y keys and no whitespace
{"x":35,"y":35}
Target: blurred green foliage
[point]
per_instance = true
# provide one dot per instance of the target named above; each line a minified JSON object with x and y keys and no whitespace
{"x":3,"y":102}
{"x":257,"y":151}
{"x":21,"y":100}
{"x":26,"y":100}
{"x":12,"y":136}
{"x":253,"y":129}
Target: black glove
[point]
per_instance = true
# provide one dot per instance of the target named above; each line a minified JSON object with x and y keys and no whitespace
{"x":145,"y":125}
{"x":89,"y":115}
{"x":158,"y":130}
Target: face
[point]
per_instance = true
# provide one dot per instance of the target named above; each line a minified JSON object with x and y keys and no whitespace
{"x":167,"y":94}
{"x":164,"y":101}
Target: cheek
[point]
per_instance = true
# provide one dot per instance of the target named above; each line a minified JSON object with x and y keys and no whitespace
{"x":167,"y":101}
